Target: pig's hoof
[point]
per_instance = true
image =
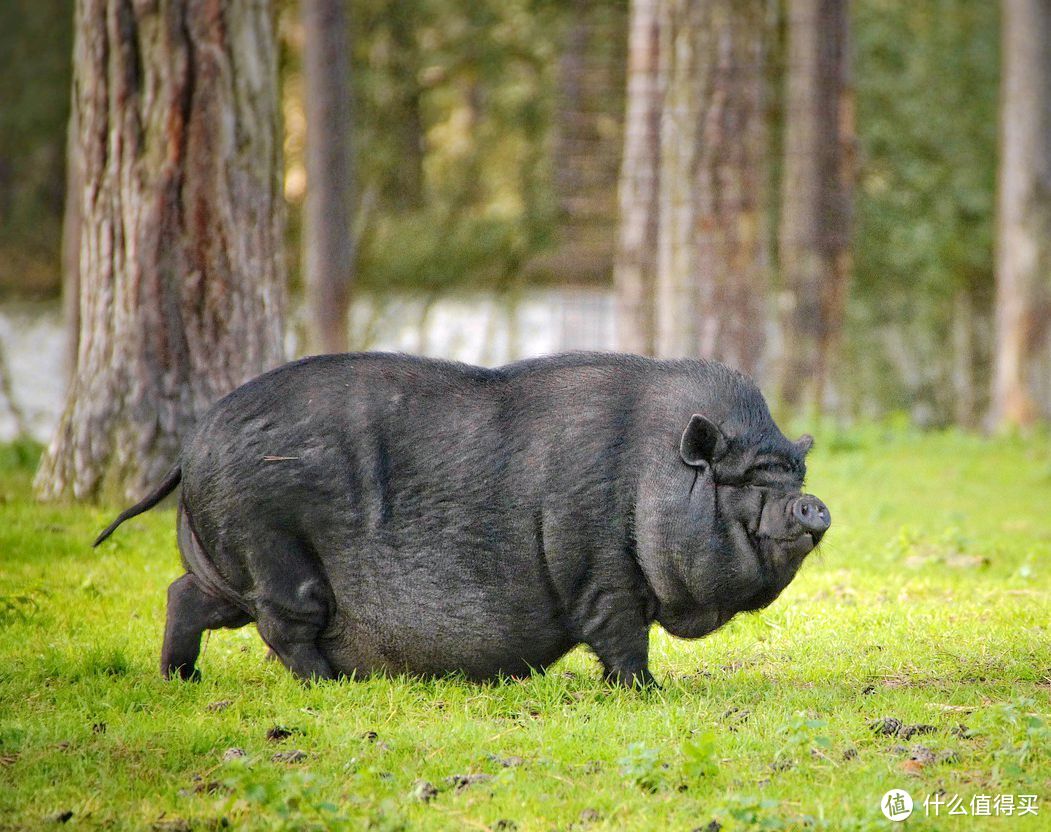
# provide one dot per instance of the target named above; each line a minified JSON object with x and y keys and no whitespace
{"x":317,"y":678}
{"x":637,"y":680}
{"x":182,"y":673}
{"x":645,"y":681}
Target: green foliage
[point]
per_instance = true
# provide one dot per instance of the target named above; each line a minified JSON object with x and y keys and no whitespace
{"x":751,"y":812}
{"x":1021,"y":739}
{"x":18,"y":607}
{"x":108,"y":660}
{"x":20,"y":456}
{"x":454,"y":115}
{"x":36,"y":47}
{"x":699,"y":756}
{"x":800,"y":734}
{"x":642,"y":766}
{"x":926,"y":77}
{"x":433,"y":254}
{"x":292,"y":800}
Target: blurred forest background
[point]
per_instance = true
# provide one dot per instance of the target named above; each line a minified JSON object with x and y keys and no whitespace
{"x":806,"y":189}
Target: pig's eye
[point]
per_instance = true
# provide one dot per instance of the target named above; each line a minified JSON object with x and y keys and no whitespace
{"x":777,"y":469}
{"x":774,"y":474}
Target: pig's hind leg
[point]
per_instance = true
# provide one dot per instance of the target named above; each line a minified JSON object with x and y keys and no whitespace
{"x":293,"y":604}
{"x":191,"y":611}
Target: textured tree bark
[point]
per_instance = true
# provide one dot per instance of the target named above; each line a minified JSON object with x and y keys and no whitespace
{"x":71,"y":244}
{"x":635,"y":265}
{"x":181,"y":274}
{"x":1023,"y":257}
{"x":328,"y":244}
{"x":713,"y":253}
{"x":817,"y":193}
{"x":685,"y":83}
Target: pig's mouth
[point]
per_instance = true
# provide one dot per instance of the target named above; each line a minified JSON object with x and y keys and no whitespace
{"x":800,"y":546}
{"x":794,"y":547}
{"x":815,"y":538}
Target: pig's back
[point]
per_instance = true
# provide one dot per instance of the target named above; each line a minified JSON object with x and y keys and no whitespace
{"x":381,"y":440}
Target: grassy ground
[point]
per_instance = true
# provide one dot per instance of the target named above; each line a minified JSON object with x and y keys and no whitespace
{"x":929,"y":603}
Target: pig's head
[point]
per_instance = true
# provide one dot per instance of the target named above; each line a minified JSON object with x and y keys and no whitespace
{"x":724,"y":526}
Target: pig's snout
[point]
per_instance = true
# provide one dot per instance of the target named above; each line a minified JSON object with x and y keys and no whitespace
{"x":812,"y":514}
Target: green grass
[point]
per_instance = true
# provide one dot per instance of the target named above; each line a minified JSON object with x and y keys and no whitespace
{"x":930,"y":602}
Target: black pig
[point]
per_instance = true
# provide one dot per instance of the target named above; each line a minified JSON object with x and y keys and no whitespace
{"x":375,"y":512}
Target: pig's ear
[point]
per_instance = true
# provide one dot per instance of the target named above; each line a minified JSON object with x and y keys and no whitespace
{"x":804,"y":443}
{"x":702,"y":442}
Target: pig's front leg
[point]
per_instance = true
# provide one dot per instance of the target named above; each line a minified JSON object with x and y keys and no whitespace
{"x":601,"y":592}
{"x":619,"y":635}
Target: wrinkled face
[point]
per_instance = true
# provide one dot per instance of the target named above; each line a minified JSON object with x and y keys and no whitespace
{"x":751,"y":525}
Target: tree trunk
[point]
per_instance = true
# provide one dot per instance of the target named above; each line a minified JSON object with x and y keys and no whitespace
{"x":1023,"y":258}
{"x":328,"y":244}
{"x":713,"y":253}
{"x":182,"y":283}
{"x":71,"y":245}
{"x":635,"y":267}
{"x":817,"y":193}
{"x":681,"y":38}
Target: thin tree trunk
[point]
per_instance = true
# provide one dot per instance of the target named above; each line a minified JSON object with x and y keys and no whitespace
{"x":713,"y":253}
{"x":71,"y":243}
{"x":1023,"y":258}
{"x":816,"y":197}
{"x":182,"y":284}
{"x":328,"y":245}
{"x":635,"y":266}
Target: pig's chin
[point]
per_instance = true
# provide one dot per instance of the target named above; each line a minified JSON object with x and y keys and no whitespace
{"x":691,"y":623}
{"x":795,"y":549}
{"x":781,"y":560}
